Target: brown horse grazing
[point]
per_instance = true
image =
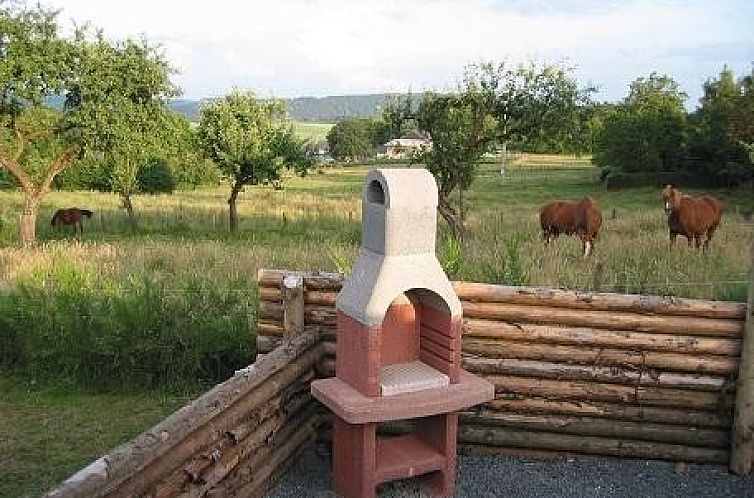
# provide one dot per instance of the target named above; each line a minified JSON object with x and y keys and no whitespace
{"x":70,"y":216}
{"x":691,"y":216}
{"x":583,"y":218}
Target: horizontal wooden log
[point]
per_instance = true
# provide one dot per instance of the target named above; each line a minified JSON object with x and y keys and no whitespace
{"x":313,"y":315}
{"x":613,"y":374}
{"x":322,"y":298}
{"x":130,"y":459}
{"x":633,"y":303}
{"x":600,"y":427}
{"x":534,"y":296}
{"x":615,"y":411}
{"x":680,"y":325}
{"x":715,"y":365}
{"x":270,"y":329}
{"x":321,"y":281}
{"x":613,"y":393}
{"x":585,"y":336}
{"x":516,"y":313}
{"x":498,"y":436}
{"x":248,"y":475}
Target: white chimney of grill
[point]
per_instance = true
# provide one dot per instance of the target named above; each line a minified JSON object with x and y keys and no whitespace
{"x":399,"y":212}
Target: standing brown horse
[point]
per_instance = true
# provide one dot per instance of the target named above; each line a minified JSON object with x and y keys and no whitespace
{"x":70,"y":216}
{"x":691,"y":216}
{"x":582,"y":218}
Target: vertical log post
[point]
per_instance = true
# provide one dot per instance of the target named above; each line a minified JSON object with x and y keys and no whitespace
{"x":292,"y":290}
{"x":742,"y":447}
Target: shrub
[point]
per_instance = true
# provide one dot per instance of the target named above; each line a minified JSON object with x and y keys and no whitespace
{"x":156,"y":177}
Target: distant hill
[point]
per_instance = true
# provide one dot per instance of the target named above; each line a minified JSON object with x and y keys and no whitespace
{"x":311,"y":109}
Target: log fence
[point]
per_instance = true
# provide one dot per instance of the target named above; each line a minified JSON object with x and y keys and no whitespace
{"x":577,"y":372}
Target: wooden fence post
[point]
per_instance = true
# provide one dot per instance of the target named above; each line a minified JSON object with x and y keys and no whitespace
{"x":292,"y":290}
{"x":742,"y":438}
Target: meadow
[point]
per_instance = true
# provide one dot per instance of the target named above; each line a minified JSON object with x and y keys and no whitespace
{"x":314,"y":132}
{"x":166,"y":311}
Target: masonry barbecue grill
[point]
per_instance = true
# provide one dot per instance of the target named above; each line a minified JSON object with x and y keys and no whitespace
{"x":398,"y":347}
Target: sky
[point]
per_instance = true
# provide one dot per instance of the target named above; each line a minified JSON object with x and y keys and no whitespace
{"x":294,"y":48}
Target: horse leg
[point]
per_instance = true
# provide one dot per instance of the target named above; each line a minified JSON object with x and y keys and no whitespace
{"x":588,"y":247}
{"x":710,"y":232}
{"x":549,"y":235}
{"x":673,"y":235}
{"x":689,"y":240}
{"x":697,"y":241}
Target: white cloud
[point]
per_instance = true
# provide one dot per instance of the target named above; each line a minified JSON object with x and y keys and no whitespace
{"x":325,"y":47}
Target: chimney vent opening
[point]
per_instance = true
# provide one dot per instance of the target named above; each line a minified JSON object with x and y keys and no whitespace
{"x":375,"y":194}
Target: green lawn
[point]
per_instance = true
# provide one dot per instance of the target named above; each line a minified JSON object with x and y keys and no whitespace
{"x":47,"y":433}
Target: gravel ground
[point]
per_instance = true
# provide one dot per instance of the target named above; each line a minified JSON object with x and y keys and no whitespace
{"x":488,"y":476}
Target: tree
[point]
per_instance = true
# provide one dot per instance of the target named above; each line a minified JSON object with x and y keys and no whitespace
{"x":156,"y":177}
{"x":532,"y":103}
{"x":492,"y":104}
{"x":108,"y":93}
{"x":462,"y":130}
{"x":251,"y":141}
{"x":354,"y":138}
{"x":724,"y":128}
{"x":399,"y":114}
{"x":182,"y":153}
{"x":127,"y":85}
{"x":647,"y":130}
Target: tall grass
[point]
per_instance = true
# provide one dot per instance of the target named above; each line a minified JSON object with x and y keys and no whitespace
{"x":68,"y":322}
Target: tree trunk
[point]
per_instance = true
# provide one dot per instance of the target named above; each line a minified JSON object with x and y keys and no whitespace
{"x":503,"y":157}
{"x":130,"y":210}
{"x":232,"y":202}
{"x":28,"y":220}
{"x":452,"y":217}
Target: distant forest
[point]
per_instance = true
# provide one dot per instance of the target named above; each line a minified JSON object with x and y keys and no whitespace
{"x":312,"y":109}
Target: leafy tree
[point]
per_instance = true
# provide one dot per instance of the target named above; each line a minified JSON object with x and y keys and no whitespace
{"x":132,"y":78}
{"x":399,"y":114}
{"x":462,"y":130}
{"x":156,"y":177}
{"x":111,"y":93}
{"x":350,"y":139}
{"x":724,"y":128}
{"x":533,"y":104}
{"x":251,"y":141}
{"x":181,"y":151}
{"x":494,"y":103}
{"x":647,"y":130}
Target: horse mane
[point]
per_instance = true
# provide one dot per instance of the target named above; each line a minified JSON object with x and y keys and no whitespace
{"x":86,"y":212}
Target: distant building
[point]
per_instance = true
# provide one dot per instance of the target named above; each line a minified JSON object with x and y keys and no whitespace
{"x":406,"y":147}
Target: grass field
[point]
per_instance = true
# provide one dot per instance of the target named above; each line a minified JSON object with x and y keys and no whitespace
{"x":315,"y":132}
{"x":75,"y":301}
{"x":48,"y":432}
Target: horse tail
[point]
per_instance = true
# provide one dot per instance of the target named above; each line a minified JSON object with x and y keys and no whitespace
{"x":54,"y":218}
